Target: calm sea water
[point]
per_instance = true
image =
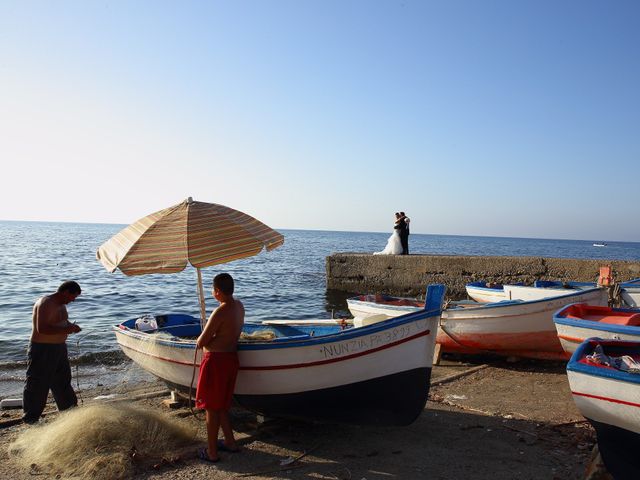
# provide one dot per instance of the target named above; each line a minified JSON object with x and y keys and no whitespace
{"x":286,"y":283}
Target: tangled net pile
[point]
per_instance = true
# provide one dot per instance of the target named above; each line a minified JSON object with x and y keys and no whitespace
{"x":99,"y":441}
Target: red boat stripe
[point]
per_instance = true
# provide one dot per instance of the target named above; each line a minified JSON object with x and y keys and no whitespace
{"x":332,"y":360}
{"x":571,"y":339}
{"x":295,"y":365}
{"x":606,"y":399}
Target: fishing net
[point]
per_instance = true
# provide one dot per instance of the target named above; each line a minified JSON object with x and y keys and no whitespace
{"x":257,"y":336}
{"x":99,"y":441}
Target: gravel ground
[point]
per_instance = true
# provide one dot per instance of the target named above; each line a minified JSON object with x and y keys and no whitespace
{"x":486,"y":419}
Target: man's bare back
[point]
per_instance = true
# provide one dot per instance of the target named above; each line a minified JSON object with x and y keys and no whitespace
{"x":224,"y":326}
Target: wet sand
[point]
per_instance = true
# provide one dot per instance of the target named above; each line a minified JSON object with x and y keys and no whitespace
{"x":486,"y":418}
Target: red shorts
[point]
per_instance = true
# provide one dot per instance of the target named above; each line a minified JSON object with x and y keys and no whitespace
{"x":217,"y":379}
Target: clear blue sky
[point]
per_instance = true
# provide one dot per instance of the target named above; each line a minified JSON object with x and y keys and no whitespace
{"x":495,"y":118}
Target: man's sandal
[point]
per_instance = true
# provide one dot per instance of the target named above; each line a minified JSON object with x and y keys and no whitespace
{"x":203,"y":454}
{"x":223,"y":448}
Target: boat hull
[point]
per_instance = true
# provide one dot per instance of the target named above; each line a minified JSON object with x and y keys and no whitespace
{"x":541,"y":289}
{"x":376,"y":401}
{"x":377,"y":374}
{"x":610,"y":400}
{"x":524,"y":329}
{"x":478,"y":291}
{"x":572,"y":331}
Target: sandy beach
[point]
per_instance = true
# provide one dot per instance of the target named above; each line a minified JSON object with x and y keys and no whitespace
{"x":486,"y":418}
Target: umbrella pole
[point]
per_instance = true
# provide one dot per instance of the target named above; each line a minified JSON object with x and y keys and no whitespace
{"x":203,"y":310}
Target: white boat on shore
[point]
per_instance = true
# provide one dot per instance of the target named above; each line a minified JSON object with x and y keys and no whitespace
{"x":488,"y":292}
{"x":377,"y":374}
{"x":577,"y":322}
{"x":522,"y":328}
{"x":609,"y":397}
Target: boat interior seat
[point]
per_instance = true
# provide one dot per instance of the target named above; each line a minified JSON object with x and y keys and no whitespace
{"x":601,"y":314}
{"x":632,"y":321}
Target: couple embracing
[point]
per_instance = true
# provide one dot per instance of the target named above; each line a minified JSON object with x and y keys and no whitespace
{"x":398,"y":243}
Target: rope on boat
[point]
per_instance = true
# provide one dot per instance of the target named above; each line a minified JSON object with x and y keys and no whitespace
{"x":615,"y":295}
{"x":77,"y":371}
{"x":193,"y":376}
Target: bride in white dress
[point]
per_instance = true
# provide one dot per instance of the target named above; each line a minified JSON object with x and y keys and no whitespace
{"x":394,"y":245}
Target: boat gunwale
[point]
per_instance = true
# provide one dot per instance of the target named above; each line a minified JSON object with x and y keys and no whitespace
{"x":342,"y":335}
{"x":519,"y":303}
{"x":407,"y":308}
{"x":504,"y":304}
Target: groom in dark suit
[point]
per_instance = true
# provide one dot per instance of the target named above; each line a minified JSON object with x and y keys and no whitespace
{"x":403,"y":226}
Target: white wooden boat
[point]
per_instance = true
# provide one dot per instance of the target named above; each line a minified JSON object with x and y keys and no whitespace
{"x":610,"y":399}
{"x":367,"y":309}
{"x":515,"y":327}
{"x":577,"y":322}
{"x":630,"y":294}
{"x":496,"y":292}
{"x":378,"y":374}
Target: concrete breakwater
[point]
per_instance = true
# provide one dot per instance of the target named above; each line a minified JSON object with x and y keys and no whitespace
{"x":408,"y":275}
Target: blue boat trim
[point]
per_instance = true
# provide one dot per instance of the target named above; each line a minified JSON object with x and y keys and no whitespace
{"x":289,"y":342}
{"x":483,"y":286}
{"x":435,"y":296}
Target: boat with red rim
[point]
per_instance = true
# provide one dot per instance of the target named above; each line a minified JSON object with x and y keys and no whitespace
{"x":579,"y":321}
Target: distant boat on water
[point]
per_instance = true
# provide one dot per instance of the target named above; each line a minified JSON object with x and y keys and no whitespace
{"x":599,"y":244}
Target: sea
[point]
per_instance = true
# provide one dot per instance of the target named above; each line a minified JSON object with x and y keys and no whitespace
{"x":286,"y":283}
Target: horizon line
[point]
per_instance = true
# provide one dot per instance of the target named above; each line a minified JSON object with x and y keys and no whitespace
{"x":350,"y":231}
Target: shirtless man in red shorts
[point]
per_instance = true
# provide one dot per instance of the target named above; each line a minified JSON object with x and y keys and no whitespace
{"x":219,"y":367}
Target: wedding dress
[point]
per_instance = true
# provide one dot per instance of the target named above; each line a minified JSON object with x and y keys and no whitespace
{"x":394,"y":246}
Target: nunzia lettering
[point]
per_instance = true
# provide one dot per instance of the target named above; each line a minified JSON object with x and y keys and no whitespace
{"x":345,"y":348}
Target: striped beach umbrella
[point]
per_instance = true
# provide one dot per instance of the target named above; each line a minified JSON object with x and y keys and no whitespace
{"x":202,"y":234}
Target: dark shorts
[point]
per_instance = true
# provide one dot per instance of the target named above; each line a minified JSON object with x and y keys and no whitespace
{"x":47,"y":369}
{"x":217,"y":380}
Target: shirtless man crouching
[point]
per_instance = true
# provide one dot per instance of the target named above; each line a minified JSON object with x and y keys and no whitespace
{"x":47,"y":359}
{"x":219,"y":367}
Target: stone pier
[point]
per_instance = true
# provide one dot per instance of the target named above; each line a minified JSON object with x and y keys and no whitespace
{"x":408,"y":275}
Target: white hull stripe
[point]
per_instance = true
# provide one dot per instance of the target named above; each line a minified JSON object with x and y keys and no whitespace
{"x":296,"y":365}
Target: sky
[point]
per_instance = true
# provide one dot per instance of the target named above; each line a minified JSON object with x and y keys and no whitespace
{"x":491,"y":117}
